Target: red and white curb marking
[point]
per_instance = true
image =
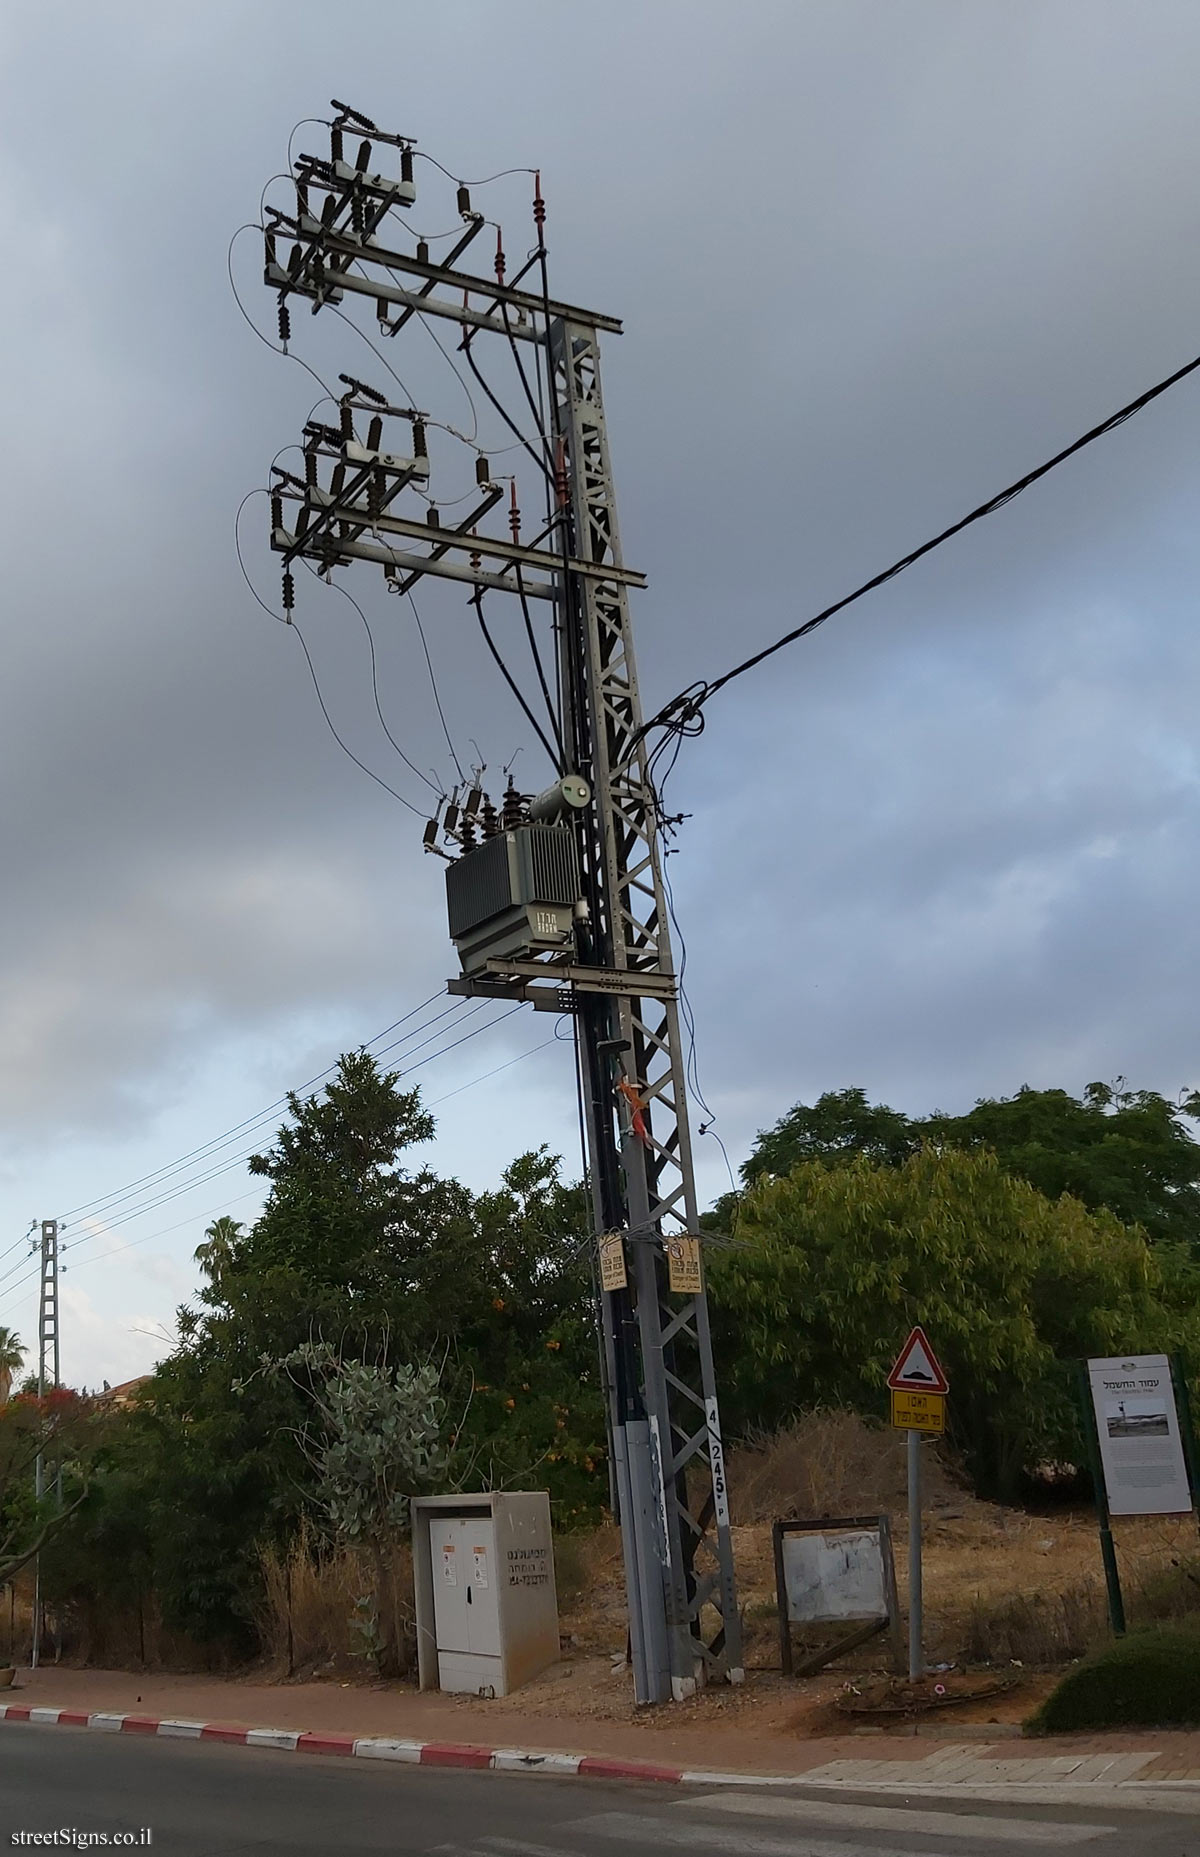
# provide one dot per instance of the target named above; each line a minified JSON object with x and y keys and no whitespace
{"x":371,"y":1747}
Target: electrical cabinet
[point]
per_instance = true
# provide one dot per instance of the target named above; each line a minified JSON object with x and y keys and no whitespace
{"x":483,"y":1567}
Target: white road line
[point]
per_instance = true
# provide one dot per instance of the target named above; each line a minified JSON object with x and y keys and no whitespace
{"x":514,"y":1847}
{"x":648,"y":1834}
{"x":834,"y":1814}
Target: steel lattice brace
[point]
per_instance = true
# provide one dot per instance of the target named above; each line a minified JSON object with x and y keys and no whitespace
{"x":664,"y":1424}
{"x":679,"y":1382}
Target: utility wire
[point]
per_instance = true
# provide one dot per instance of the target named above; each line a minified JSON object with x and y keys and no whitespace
{"x":178,"y":1191}
{"x":684,"y":713}
{"x":510,"y":680}
{"x":433,"y":684}
{"x":208,"y":1151}
{"x":411,"y":765}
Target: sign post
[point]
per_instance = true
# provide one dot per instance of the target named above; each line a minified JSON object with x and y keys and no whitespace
{"x":1138,"y":1450}
{"x":918,"y":1388}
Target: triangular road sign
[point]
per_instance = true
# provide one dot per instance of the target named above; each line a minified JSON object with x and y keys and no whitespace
{"x":916,"y":1368}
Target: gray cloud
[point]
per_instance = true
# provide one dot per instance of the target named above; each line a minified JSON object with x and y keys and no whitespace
{"x":873,"y":262}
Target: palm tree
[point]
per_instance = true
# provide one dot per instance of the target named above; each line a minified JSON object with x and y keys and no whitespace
{"x":11,"y":1356}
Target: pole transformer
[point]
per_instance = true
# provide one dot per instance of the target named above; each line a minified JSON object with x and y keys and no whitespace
{"x":558,"y":899}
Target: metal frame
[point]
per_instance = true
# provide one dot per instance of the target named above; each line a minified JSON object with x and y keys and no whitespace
{"x":664,"y":1427}
{"x":679,"y":1380}
{"x":851,"y":1642}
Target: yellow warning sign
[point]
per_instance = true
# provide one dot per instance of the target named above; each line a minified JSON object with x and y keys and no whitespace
{"x":919,"y":1411}
{"x":612,"y":1261}
{"x":683,"y":1265}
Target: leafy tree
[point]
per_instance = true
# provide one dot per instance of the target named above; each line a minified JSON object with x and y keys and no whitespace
{"x":354,"y":1248}
{"x":380,"y":1437}
{"x":1128,"y":1150}
{"x":63,"y":1429}
{"x":11,"y":1355}
{"x":838,"y":1127}
{"x":834,"y":1264}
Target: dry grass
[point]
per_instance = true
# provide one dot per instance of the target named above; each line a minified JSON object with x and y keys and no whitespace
{"x":828,"y":1464}
{"x":312,"y":1598}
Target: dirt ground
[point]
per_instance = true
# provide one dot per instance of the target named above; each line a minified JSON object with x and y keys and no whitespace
{"x":996,"y":1580}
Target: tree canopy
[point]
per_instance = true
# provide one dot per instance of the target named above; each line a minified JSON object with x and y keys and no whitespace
{"x":1130,"y":1152}
{"x":834,"y":1264}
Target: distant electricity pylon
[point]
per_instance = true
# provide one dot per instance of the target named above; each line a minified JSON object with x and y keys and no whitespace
{"x":556,"y":898}
{"x":48,"y":1377}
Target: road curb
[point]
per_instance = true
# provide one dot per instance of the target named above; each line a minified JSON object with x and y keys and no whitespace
{"x":1163,"y":1795}
{"x":365,"y":1747}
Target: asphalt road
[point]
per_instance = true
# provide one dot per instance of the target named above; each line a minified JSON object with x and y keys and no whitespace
{"x":200,"y":1800}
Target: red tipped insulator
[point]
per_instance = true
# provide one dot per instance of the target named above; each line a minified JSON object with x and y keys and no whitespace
{"x":335,"y":144}
{"x":483,"y":474}
{"x":422,"y":252}
{"x":285,"y":322}
{"x":289,"y":590}
{"x":499,"y":256}
{"x":514,"y":514}
{"x":464,"y":202}
{"x":406,"y":164}
{"x":539,"y":205}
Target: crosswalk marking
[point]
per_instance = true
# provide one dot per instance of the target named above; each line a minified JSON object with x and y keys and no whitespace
{"x":895,"y":1818}
{"x":649,"y":1834}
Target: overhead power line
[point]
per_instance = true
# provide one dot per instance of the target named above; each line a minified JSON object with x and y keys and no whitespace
{"x":683,"y":715}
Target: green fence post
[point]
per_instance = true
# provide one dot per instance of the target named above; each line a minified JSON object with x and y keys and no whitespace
{"x":1183,"y":1407}
{"x":1108,"y":1551}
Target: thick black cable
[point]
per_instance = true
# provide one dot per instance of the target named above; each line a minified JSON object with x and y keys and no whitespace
{"x":524,"y":379}
{"x":539,"y":668}
{"x":535,"y":725}
{"x":685,"y":710}
{"x":509,"y":421}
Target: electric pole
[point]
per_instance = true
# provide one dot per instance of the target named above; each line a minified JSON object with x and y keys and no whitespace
{"x":48,"y":1373}
{"x":558,"y":898}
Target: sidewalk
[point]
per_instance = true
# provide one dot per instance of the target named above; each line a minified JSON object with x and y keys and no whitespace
{"x":335,"y":1716}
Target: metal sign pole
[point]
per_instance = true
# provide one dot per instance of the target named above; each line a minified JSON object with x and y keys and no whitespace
{"x":916,"y":1662}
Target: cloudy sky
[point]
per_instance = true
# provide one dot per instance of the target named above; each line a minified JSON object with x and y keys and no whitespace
{"x":875,"y":258}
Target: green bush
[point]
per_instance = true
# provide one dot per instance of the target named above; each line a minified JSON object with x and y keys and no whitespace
{"x":1151,"y":1679}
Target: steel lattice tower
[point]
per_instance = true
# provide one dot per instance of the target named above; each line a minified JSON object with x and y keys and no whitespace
{"x":619,"y":978}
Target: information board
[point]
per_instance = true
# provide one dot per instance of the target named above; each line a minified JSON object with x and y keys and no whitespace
{"x":834,"y":1577}
{"x":1141,"y":1451}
